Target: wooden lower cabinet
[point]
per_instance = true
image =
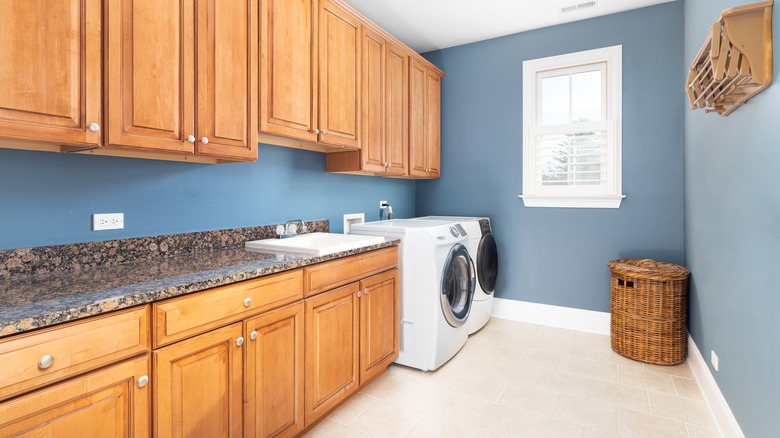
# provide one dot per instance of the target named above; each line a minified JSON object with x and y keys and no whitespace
{"x":198,"y":390}
{"x":274,"y":373}
{"x":332,"y":338}
{"x":379,"y":320}
{"x":105,"y":403}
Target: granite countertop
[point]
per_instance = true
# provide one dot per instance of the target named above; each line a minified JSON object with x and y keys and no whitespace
{"x":29,"y":302}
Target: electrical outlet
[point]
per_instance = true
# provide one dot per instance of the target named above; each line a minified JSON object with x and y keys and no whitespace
{"x":714,"y":359}
{"x":382,"y":204}
{"x":108,"y":221}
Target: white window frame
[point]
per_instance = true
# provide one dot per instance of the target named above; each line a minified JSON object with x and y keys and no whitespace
{"x":607,"y":195}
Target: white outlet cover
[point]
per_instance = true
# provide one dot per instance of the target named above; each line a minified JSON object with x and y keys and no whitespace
{"x":353,"y":218}
{"x":714,"y":359}
{"x":108,"y":221}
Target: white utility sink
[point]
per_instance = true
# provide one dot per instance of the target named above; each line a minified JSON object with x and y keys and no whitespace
{"x":317,"y":244}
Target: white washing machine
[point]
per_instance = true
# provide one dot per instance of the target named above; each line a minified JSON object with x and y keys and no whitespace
{"x":437,"y":286}
{"x":482,"y":247}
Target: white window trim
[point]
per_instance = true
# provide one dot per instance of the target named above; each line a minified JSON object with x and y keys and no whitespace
{"x":613,"y":57}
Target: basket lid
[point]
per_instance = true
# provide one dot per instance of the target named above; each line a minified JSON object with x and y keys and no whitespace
{"x":649,"y":269}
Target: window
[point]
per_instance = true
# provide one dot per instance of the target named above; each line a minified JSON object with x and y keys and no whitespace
{"x":571,"y":130}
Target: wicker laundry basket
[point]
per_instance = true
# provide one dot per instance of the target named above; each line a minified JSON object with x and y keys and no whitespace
{"x":648,"y":307}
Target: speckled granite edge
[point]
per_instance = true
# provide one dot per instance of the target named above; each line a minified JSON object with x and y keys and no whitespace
{"x":18,"y":319}
{"x":77,"y":256}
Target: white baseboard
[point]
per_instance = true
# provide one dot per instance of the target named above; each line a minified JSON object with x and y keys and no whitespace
{"x":719,"y":408}
{"x":598,"y":322}
{"x":554,"y":316}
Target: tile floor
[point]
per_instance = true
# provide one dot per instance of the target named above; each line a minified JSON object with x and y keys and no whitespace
{"x":521,"y":380}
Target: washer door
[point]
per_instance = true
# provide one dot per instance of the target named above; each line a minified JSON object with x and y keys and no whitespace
{"x":457,"y":286}
{"x":487,"y":263}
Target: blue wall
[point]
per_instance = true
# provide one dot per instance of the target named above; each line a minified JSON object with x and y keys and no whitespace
{"x":48,"y":199}
{"x":732,"y":238}
{"x":559,"y":256}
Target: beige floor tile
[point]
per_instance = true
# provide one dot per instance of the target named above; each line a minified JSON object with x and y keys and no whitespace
{"x":593,"y":369}
{"x":490,"y":418}
{"x":391,"y":388}
{"x":687,"y":388}
{"x":432,"y":428}
{"x":404,"y":372}
{"x":383,"y":419}
{"x":593,"y":433}
{"x":539,"y":427}
{"x":555,"y":333}
{"x":502,"y":327}
{"x":679,"y":408}
{"x":696,"y":431}
{"x":478,"y":384}
{"x":352,"y":408}
{"x":587,"y":413}
{"x":563,"y":382}
{"x":527,"y":341}
{"x":513,"y":372}
{"x":574,"y":349}
{"x":619,"y":395}
{"x":529,"y":399}
{"x":642,"y":378}
{"x":612,"y":357}
{"x":681,"y":370}
{"x":643,"y":425}
{"x":540,"y":358}
{"x":331,"y":429}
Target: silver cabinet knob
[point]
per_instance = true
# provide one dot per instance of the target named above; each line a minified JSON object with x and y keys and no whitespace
{"x":365,"y":291}
{"x":94,"y":127}
{"x":142,"y":381}
{"x":191,"y":138}
{"x":204,"y":140}
{"x":324,"y":132}
{"x":359,"y":294}
{"x":316,"y":131}
{"x":239,"y":341}
{"x":253,"y":335}
{"x":247,"y":302}
{"x":46,"y":361}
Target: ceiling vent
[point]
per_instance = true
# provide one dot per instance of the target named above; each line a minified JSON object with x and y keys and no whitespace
{"x":578,"y":7}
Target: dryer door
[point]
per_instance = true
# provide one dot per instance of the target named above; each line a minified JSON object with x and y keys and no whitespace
{"x":487,"y":263}
{"x":457,"y":286}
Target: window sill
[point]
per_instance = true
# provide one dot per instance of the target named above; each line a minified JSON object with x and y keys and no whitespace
{"x":609,"y":201}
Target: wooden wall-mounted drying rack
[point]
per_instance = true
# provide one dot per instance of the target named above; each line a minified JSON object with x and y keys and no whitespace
{"x":735,"y":62}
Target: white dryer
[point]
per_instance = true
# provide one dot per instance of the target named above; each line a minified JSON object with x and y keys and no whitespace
{"x":482,"y":247}
{"x":438,"y":280}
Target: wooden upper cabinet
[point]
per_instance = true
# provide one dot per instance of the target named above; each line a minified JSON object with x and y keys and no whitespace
{"x":373,"y":148}
{"x":396,"y":110}
{"x":151,"y":79}
{"x":155,"y":53}
{"x":424,"y":121}
{"x":288,"y":68}
{"x":227,"y":78}
{"x":51,"y":71}
{"x":339,"y":81}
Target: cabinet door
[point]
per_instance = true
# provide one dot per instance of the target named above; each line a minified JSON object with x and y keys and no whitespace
{"x":417,"y":79}
{"x":198,"y":387}
{"x":151,"y":77}
{"x":288,"y":68}
{"x":104,"y":403}
{"x":339,"y":59}
{"x":373,"y":139}
{"x":396,"y":110}
{"x":433,"y":123}
{"x":226,"y":75}
{"x":378,"y":324}
{"x":332,"y":334}
{"x":274,"y":378}
{"x":50,"y":74}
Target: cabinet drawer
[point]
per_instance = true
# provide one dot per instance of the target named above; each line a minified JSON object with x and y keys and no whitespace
{"x":73,"y":348}
{"x":180,"y":318}
{"x":326,"y":276}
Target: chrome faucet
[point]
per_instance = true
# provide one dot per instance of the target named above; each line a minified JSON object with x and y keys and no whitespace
{"x":287,"y":229}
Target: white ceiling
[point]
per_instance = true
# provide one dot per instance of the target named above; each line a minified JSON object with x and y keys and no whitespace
{"x":426,"y":25}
